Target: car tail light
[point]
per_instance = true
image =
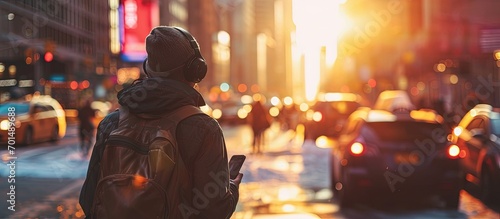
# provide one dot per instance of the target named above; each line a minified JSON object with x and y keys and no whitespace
{"x":454,"y":152}
{"x":357,"y":149}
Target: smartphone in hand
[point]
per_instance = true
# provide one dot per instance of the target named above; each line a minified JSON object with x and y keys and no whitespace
{"x":235,"y":164}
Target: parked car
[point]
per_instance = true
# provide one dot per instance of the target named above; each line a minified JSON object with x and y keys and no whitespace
{"x":37,"y":118}
{"x":403,"y":154}
{"x":478,"y":135}
{"x":327,"y":115}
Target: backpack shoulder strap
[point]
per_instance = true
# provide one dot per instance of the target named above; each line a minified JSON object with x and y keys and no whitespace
{"x":180,"y":174}
{"x":183,"y":112}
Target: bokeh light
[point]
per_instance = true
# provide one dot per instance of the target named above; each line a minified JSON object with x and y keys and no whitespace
{"x":274,"y":111}
{"x":224,"y":87}
{"x":304,"y":107}
{"x":246,"y":99}
{"x":288,"y":101}
{"x":453,"y":79}
{"x":12,"y":70}
{"x":48,"y":57}
{"x":372,"y":83}
{"x":11,"y":16}
{"x":242,"y":88}
{"x":421,"y":86}
{"x":440,"y":67}
{"x":216,"y":113}
{"x":275,"y":101}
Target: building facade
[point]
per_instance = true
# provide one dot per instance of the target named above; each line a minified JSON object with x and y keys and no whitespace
{"x":48,"y":44}
{"x":440,"y":51}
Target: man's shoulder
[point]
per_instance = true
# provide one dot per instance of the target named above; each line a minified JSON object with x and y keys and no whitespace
{"x":200,"y":121}
{"x":201,"y":118}
{"x":196,"y":121}
{"x":111,"y":117}
{"x":110,"y":121}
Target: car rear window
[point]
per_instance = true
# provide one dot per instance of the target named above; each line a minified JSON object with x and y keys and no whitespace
{"x":402,"y":130}
{"x":20,"y":108}
{"x":495,"y":126}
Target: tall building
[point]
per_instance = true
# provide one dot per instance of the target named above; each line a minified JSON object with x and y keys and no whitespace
{"x":45,"y":45}
{"x":261,"y":41}
{"x":203,"y":23}
{"x":460,"y":38}
{"x":244,"y":69}
{"x":440,"y":51}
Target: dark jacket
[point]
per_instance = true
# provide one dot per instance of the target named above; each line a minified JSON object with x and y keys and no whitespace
{"x":201,"y":144}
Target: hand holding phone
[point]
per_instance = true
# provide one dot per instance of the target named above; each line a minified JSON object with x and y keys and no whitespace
{"x":235,"y":164}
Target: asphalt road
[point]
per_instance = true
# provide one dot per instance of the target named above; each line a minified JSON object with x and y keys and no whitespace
{"x":288,"y":181}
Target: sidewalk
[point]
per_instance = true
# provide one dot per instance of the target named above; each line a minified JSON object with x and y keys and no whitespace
{"x":287,"y":181}
{"x":275,"y":139}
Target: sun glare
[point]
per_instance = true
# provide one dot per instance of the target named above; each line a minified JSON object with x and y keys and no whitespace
{"x":317,"y":26}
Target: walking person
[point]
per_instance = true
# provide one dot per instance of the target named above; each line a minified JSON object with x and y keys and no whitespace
{"x":86,"y":126}
{"x":259,"y":121}
{"x":201,"y":184}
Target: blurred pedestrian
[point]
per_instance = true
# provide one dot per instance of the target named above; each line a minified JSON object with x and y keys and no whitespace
{"x":198,"y":178}
{"x":259,"y":121}
{"x":86,"y":126}
{"x":289,"y":116}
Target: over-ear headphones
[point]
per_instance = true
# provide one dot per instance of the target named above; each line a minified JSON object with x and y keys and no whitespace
{"x":196,"y":67}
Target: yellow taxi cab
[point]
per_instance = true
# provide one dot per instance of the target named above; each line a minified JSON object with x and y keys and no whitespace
{"x":31,"y":119}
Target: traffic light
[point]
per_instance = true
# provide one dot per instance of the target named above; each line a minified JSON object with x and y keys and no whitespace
{"x":48,"y":57}
{"x":50,"y":47}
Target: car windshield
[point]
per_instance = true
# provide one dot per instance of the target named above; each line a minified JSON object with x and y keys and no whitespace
{"x":495,"y":126}
{"x":403,"y":131}
{"x":20,"y":108}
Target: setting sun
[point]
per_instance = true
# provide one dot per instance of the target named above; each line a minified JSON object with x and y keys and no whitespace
{"x":318,"y":26}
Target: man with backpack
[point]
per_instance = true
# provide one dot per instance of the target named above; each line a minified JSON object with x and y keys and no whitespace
{"x":158,"y":156}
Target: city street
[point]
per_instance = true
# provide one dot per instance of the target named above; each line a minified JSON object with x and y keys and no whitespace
{"x":289,"y":180}
{"x":401,"y":97}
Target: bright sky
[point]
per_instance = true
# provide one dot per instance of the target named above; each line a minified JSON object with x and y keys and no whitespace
{"x":318,"y":23}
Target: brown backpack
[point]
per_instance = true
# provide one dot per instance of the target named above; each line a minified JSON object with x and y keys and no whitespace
{"x":140,"y":168}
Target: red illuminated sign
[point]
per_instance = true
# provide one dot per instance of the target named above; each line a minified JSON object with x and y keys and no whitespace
{"x":137,"y":19}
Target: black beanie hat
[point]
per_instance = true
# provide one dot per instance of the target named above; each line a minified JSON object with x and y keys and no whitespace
{"x":167,"y":49}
